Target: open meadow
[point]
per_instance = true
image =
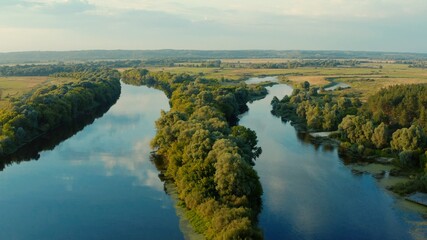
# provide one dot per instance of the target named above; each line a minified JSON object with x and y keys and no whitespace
{"x":364,"y":79}
{"x":14,"y":87}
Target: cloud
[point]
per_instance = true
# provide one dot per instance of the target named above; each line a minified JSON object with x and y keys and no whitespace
{"x":381,"y":25}
{"x":58,"y":7}
{"x":228,"y":10}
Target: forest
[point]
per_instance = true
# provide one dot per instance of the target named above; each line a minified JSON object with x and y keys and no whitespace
{"x":391,"y":123}
{"x":56,"y":104}
{"x":209,"y":158}
{"x":313,"y":108}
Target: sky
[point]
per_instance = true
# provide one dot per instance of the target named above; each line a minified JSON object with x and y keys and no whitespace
{"x":360,"y":25}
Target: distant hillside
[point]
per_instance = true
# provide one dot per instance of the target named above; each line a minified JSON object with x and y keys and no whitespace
{"x":91,"y":55}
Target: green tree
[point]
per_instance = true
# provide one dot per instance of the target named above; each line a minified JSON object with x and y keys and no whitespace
{"x":247,"y":141}
{"x":314,"y":117}
{"x":408,"y":139}
{"x":356,"y":129}
{"x":305,"y":85}
{"x":380,"y":137}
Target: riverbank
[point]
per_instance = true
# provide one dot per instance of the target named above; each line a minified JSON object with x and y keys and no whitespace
{"x":53,"y":105}
{"x":98,"y":183}
{"x":310,"y":193}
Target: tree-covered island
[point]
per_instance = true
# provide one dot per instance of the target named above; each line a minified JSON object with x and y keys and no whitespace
{"x":209,"y":158}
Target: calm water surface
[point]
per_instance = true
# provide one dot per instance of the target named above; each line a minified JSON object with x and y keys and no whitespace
{"x":98,"y":184}
{"x":310,"y":194}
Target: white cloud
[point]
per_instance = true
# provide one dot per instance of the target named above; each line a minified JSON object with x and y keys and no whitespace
{"x":136,"y":164}
{"x":221,"y":9}
{"x":194,"y":24}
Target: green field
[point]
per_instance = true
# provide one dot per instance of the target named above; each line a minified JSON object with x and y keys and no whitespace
{"x":14,"y":87}
{"x":364,"y":80}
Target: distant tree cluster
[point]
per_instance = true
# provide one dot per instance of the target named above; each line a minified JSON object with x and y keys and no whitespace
{"x":208,"y":158}
{"x":416,"y":64}
{"x":191,"y":55}
{"x":50,"y":69}
{"x":53,"y":105}
{"x":292,"y":64}
{"x":202,"y":63}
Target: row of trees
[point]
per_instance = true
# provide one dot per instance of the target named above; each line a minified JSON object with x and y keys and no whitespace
{"x":208,"y":158}
{"x":290,"y":64}
{"x":52,"y":105}
{"x":416,"y":64}
{"x":49,"y":69}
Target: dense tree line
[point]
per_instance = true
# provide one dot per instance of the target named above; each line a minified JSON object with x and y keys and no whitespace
{"x":414,"y":63}
{"x":324,"y":63}
{"x":209,"y":158}
{"x":313,"y":110}
{"x":290,"y":64}
{"x":52,"y":105}
{"x":395,"y":118}
{"x":393,"y":122}
{"x":401,"y":112}
{"x":49,"y":69}
{"x":52,"y":138}
{"x":399,"y":106}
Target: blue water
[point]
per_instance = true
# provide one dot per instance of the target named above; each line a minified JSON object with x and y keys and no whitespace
{"x":310,"y":194}
{"x":98,"y":184}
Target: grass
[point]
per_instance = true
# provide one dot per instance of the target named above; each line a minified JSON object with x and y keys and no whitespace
{"x":364,"y":80}
{"x":14,"y":87}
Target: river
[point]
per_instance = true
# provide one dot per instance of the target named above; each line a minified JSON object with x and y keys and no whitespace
{"x":100,"y":184}
{"x":310,"y":194}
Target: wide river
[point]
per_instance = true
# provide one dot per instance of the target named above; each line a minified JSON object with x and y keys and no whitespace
{"x":100,"y":184}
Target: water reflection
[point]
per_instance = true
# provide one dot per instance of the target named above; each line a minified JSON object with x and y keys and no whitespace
{"x":51,"y":139}
{"x":98,"y":184}
{"x":310,"y":194}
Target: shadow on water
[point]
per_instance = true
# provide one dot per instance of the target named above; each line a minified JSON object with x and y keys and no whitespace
{"x":48,"y":141}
